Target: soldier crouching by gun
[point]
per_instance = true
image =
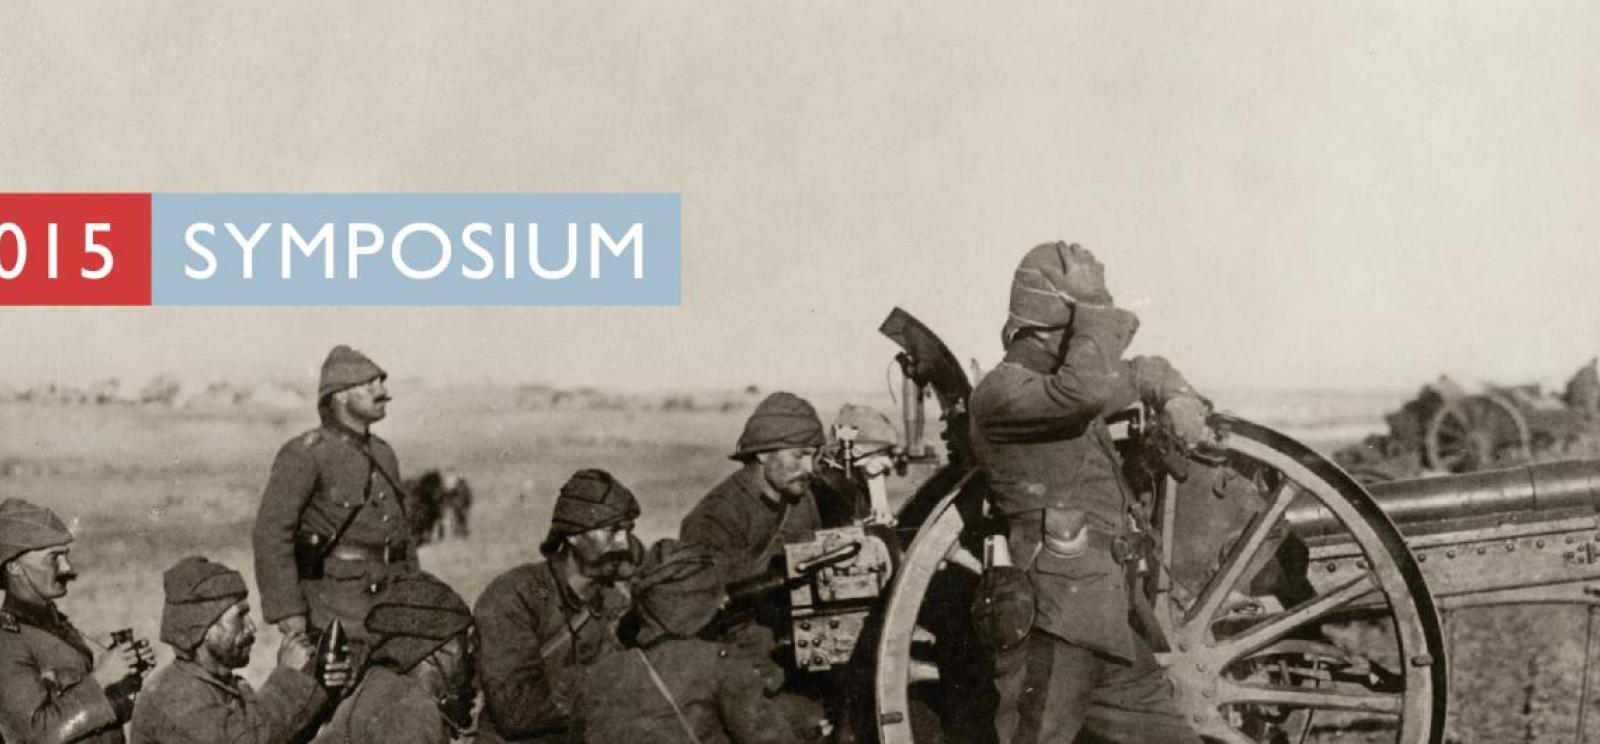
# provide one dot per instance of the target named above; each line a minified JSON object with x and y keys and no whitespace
{"x":1069,"y":658}
{"x":53,"y":687}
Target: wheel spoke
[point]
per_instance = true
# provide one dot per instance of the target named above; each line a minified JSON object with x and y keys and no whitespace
{"x":1260,"y":635}
{"x":1239,"y":558}
{"x":922,"y":671}
{"x":963,"y":559}
{"x":1231,"y":693}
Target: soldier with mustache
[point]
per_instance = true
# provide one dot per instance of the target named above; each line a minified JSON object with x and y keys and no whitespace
{"x":542,"y":624}
{"x":53,"y":688}
{"x":197,"y":699}
{"x":745,"y":522}
{"x":332,"y":529}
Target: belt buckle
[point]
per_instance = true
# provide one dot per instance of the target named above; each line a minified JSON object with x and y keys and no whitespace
{"x":1121,"y":549}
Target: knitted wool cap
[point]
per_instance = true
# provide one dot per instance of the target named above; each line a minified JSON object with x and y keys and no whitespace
{"x":198,"y":591}
{"x":25,"y":527}
{"x":592,"y":499}
{"x":679,"y":589}
{"x":415,"y":615}
{"x":1038,"y":299}
{"x":346,"y":368}
{"x":781,"y":421}
{"x":874,"y":432}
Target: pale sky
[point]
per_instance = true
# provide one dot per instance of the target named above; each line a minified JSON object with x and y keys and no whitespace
{"x":1291,"y":195}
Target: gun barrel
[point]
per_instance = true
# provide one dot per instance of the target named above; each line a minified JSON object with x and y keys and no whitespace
{"x":1414,"y":505}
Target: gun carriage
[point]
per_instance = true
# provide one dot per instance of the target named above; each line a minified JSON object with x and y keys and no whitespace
{"x":1288,"y":600}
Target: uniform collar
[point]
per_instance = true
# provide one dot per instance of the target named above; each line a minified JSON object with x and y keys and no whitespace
{"x":338,"y":429}
{"x":45,"y":616}
{"x":229,"y":684}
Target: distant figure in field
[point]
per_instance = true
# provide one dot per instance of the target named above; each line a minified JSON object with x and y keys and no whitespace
{"x":440,"y":504}
{"x":668,"y":687}
{"x":332,"y":529}
{"x":542,"y":624}
{"x":53,"y":687}
{"x":197,"y":699}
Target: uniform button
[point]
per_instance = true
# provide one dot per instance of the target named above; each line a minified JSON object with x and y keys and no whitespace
{"x":385,"y":517}
{"x":381,"y":495}
{"x":347,"y":505}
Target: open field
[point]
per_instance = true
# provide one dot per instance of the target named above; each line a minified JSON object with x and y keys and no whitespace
{"x":147,"y":485}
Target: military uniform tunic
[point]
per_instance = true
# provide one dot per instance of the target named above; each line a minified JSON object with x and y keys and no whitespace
{"x":745,"y":525}
{"x":386,"y":708}
{"x":185,"y":704}
{"x":47,"y":693}
{"x":718,"y":696}
{"x":1041,"y":437}
{"x":317,"y":480}
{"x":538,"y":638}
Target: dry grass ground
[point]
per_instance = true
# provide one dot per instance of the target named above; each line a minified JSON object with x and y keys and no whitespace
{"x":147,"y":486}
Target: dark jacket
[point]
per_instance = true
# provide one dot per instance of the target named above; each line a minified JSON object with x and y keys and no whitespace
{"x":46,"y":692}
{"x":185,"y":704}
{"x":317,"y":480}
{"x":745,"y":525}
{"x":538,"y":638}
{"x":1039,"y":432}
{"x":386,"y":708}
{"x":719,"y":696}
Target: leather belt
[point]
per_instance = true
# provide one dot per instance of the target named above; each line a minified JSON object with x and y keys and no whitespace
{"x":386,"y":554}
{"x":1124,"y":548}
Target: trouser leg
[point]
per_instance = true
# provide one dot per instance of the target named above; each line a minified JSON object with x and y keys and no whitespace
{"x":1134,"y":704}
{"x":1046,"y":687}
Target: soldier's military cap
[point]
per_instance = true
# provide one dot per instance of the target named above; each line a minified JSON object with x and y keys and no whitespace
{"x":874,"y":433}
{"x":592,"y":499}
{"x":25,"y":526}
{"x":781,"y":421}
{"x":415,"y":615}
{"x":679,"y":589}
{"x":1038,"y":299}
{"x":346,"y":368}
{"x":197,"y":591}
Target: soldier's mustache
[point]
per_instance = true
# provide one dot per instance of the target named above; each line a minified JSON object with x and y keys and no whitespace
{"x":67,"y":576}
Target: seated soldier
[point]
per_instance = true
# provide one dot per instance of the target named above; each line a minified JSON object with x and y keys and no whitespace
{"x":668,"y":687}
{"x":197,"y":699}
{"x":418,"y":687}
{"x":845,"y":497}
{"x":543,"y":623}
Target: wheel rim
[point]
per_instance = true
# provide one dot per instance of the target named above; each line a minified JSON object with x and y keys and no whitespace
{"x":1476,"y":432}
{"x":1219,"y":674}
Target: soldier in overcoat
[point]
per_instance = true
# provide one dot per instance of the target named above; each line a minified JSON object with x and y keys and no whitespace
{"x":543,"y":623}
{"x":53,"y":687}
{"x":197,"y":699}
{"x":332,"y":528}
{"x":668,"y":686}
{"x":1069,"y":658}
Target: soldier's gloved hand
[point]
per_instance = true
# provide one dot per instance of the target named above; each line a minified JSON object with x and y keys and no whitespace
{"x":144,"y":655}
{"x":1084,"y":277}
{"x":116,"y":664}
{"x":1111,"y":328}
{"x":1185,"y":416}
{"x":297,"y":652}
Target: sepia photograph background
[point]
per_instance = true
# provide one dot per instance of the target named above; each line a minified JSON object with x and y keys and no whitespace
{"x":1314,"y":208}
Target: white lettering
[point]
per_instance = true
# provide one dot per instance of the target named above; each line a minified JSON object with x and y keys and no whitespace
{"x":359,"y":249}
{"x":533,"y":253}
{"x":51,"y":250}
{"x":204,"y":252}
{"x":511,"y":246}
{"x":598,"y":234}
{"x":398,"y":251}
{"x":248,"y":245}
{"x":22,"y":250}
{"x":91,"y":230}
{"x":478,"y":250}
{"x":292,"y":237}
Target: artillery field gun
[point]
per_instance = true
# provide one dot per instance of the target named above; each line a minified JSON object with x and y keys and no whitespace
{"x":1292,"y":604}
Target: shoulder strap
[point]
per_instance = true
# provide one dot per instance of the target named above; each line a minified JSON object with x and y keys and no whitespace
{"x":662,"y":686}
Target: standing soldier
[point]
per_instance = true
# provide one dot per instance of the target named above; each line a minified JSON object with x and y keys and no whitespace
{"x":543,"y":623}
{"x":197,"y":699}
{"x":418,"y":687}
{"x":1070,"y":659}
{"x":52,"y":688}
{"x":332,"y":528}
{"x":669,"y":687}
